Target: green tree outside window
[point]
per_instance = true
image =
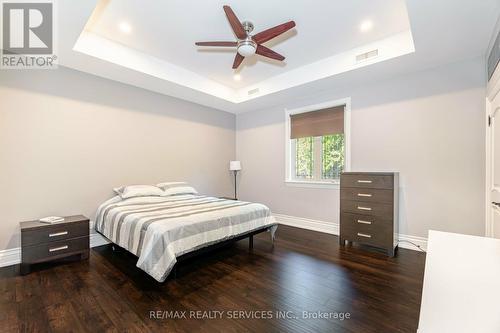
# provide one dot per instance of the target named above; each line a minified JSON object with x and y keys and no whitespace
{"x":330,"y":152}
{"x":304,"y":157}
{"x":332,"y":156}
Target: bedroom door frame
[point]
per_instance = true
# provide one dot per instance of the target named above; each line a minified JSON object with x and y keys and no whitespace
{"x":492,"y":112}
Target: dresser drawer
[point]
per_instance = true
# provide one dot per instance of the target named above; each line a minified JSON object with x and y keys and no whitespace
{"x":367,"y":195}
{"x":380,"y":239}
{"x":36,"y":253}
{"x":54,"y":233}
{"x":384,"y":211}
{"x":370,"y":224}
{"x":366,"y":181}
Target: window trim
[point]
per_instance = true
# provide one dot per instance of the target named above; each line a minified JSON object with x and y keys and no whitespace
{"x":288,"y":146}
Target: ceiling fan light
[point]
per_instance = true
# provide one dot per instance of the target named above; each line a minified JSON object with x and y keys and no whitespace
{"x":246,"y":49}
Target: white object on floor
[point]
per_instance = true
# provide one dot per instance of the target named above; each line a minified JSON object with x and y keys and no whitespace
{"x":461,"y":290}
{"x":52,"y":219}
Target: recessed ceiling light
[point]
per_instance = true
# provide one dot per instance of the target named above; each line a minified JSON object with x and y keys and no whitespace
{"x":366,"y":26}
{"x":237,"y":77}
{"x":125,"y":27}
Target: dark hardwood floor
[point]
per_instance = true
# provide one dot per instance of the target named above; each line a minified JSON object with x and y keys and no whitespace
{"x":305,"y":271}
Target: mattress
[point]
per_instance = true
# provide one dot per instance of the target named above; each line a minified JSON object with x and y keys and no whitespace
{"x":160,"y":229}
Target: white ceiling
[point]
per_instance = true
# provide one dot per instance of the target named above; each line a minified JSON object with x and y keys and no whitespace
{"x":159,"y":54}
{"x":169,"y":29}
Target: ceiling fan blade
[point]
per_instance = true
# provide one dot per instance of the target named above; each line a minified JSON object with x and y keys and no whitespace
{"x":223,"y":44}
{"x":266,"y":52}
{"x":269,"y":34}
{"x":237,"y":60}
{"x":235,"y":23}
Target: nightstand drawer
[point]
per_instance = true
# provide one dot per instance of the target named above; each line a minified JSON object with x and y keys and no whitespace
{"x":366,"y":181}
{"x":367,"y":195}
{"x":54,"y":233}
{"x":42,"y":252}
{"x":384,"y":211}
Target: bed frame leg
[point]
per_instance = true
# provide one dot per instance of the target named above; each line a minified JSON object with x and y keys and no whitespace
{"x":271,"y":235}
{"x":250,"y":242}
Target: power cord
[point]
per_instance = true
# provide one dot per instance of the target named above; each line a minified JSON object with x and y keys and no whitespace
{"x":417,"y":246}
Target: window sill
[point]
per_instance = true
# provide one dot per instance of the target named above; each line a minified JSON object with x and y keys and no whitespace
{"x":312,"y":184}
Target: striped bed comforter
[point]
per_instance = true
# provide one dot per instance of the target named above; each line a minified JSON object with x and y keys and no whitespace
{"x":159,"y":229}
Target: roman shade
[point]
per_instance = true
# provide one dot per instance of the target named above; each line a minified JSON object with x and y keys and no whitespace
{"x":317,"y":123}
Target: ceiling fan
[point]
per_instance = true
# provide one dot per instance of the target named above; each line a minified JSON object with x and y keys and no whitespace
{"x":248,"y":45}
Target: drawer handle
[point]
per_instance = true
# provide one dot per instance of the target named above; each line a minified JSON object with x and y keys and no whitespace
{"x":364,"y":181}
{"x":62,"y":233}
{"x":60,"y":248}
{"x":364,"y":195}
{"x":364,"y":208}
{"x":364,"y":222}
{"x":364,"y":235}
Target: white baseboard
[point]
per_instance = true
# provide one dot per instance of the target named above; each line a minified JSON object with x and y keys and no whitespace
{"x":300,"y":222}
{"x":10,"y":257}
{"x":406,"y":240}
{"x":13,"y":256}
{"x":97,"y":240}
{"x":333,"y":228}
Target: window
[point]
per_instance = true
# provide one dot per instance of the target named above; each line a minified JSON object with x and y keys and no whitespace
{"x":317,"y":143}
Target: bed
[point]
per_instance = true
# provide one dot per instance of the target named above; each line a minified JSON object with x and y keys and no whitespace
{"x":159,"y":230}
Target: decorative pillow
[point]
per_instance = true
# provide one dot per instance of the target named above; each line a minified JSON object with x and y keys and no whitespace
{"x":166,"y":185}
{"x":179,"y":189}
{"x":133,"y":191}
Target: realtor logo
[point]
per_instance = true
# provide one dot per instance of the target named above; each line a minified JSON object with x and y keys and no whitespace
{"x":28,"y":32}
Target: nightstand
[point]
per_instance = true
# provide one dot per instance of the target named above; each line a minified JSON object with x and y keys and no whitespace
{"x":41,"y":242}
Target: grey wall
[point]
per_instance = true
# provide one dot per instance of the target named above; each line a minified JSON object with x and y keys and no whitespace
{"x":68,"y":138}
{"x":429,"y":126}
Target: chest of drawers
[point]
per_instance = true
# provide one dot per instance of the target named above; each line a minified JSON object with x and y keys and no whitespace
{"x":369,"y":209}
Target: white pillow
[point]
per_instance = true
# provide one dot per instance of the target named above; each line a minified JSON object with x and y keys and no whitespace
{"x":180,"y":189}
{"x":133,"y":191}
{"x":166,"y":185}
